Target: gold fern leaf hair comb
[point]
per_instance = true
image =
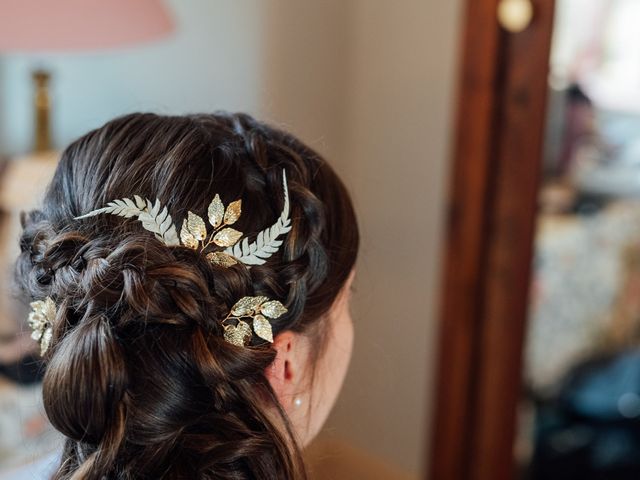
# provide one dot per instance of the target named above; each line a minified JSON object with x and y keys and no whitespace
{"x":257,"y":309}
{"x":193,"y":233}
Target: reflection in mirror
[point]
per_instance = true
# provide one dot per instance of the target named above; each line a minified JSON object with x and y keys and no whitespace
{"x":580,"y":413}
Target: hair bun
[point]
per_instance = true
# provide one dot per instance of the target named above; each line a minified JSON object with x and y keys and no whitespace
{"x":86,"y":376}
{"x":139,"y":375}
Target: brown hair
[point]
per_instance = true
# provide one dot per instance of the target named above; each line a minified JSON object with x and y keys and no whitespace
{"x":138,"y":375}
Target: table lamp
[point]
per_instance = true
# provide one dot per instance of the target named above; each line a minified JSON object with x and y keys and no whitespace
{"x":37,"y":26}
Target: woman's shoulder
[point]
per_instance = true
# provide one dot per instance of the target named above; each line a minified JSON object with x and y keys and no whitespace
{"x":41,"y":469}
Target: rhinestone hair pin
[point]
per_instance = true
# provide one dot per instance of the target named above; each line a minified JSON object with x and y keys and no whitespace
{"x":194,"y":235}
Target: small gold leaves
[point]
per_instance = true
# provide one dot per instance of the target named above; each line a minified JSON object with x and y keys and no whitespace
{"x":221,"y":259}
{"x":194,"y":230}
{"x":239,"y":334}
{"x":273,"y":309}
{"x":216,"y":211}
{"x":247,"y":306}
{"x":196,"y":226}
{"x":227,"y":237}
{"x":233,"y":212}
{"x":262,"y":327}
{"x":187,"y":238}
{"x":255,"y":307}
{"x":40,"y":320}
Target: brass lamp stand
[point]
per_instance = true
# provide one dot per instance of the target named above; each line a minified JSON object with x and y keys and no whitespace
{"x":42,"y":110}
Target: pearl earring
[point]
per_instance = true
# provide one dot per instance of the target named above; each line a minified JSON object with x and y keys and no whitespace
{"x":297,"y":402}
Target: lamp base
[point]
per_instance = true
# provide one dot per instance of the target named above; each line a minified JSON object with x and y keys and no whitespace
{"x":42,"y":110}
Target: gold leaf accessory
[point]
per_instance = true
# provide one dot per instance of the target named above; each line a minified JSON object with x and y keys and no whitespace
{"x":257,"y":309}
{"x":193,"y":233}
{"x":41,"y":317}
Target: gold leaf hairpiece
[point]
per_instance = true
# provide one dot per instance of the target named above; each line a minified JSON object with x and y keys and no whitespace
{"x":257,"y":309}
{"x":41,"y":317}
{"x":193,"y":234}
{"x":194,"y":230}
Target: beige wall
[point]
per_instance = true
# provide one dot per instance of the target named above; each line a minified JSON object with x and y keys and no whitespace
{"x":306,"y":70}
{"x":370,"y":83}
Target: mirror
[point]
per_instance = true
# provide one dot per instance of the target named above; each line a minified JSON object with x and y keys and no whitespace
{"x":580,"y":410}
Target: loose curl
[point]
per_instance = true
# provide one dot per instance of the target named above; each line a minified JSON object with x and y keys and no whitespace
{"x":138,"y":376}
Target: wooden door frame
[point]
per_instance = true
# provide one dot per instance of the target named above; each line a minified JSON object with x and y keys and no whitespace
{"x":502,"y":92}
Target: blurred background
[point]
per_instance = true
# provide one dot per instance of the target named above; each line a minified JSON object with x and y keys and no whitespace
{"x":580,"y":412}
{"x":368,"y":83}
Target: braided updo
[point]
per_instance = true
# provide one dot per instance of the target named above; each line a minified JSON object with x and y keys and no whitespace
{"x":138,"y":375}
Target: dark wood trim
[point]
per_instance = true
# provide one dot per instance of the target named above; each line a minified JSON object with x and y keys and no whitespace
{"x":502,"y":94}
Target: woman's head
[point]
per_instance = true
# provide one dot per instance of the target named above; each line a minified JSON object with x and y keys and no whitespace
{"x":139,"y":376}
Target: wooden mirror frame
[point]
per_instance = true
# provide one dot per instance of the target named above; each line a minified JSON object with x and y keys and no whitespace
{"x":502,"y":92}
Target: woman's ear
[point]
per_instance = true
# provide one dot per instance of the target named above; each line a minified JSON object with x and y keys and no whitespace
{"x":286,"y":373}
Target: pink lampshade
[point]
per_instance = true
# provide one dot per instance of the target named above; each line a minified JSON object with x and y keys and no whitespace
{"x":55,"y":25}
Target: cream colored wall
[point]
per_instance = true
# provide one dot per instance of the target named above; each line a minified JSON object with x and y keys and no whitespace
{"x":305,"y":59}
{"x":370,"y":83}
